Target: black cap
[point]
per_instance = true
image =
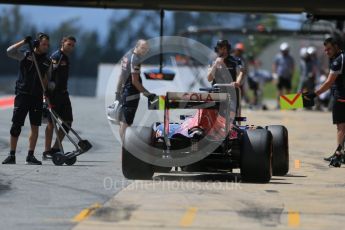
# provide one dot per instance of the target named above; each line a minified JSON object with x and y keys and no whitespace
{"x":38,"y":39}
{"x":41,"y":35}
{"x":222,"y":43}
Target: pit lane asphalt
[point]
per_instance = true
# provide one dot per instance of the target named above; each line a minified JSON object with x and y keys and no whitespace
{"x":48,"y":196}
{"x":311,"y":196}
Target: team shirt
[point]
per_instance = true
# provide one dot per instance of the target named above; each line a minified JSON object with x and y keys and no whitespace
{"x":130,"y":64}
{"x":60,"y":71}
{"x":28,"y":81}
{"x":337,"y":67}
{"x":232,"y":67}
{"x":284,"y":65}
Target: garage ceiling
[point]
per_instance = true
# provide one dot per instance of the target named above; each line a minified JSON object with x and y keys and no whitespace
{"x":320,"y":7}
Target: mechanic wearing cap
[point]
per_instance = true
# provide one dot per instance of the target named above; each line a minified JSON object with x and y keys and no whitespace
{"x":234,"y":66}
{"x":59,"y":96}
{"x":283,"y":69}
{"x":335,"y":81}
{"x":130,"y":85}
{"x":29,"y":93}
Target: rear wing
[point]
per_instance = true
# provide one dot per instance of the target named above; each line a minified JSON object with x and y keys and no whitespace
{"x":178,"y":100}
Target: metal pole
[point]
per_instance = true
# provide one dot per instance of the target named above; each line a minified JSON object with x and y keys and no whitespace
{"x":44,"y":90}
{"x":161,"y":41}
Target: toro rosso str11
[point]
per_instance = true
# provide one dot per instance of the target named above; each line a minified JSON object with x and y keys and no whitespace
{"x":207,"y":141}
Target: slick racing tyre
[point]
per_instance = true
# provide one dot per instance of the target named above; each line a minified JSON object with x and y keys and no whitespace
{"x":280,"y":155}
{"x":256,"y":156}
{"x":132,"y":167}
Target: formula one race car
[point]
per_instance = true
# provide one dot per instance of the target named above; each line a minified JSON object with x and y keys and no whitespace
{"x":208,"y":141}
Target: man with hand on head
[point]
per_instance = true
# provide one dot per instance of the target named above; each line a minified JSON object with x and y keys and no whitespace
{"x":227,"y":69}
{"x":29,"y":93}
{"x":233,"y":64}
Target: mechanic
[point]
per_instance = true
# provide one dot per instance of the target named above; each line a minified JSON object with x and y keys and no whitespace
{"x":239,"y":52}
{"x":335,"y":81}
{"x":59,"y":96}
{"x":234,"y":66}
{"x":308,"y":69}
{"x":282,"y":70}
{"x":130,"y":86}
{"x":29,"y":93}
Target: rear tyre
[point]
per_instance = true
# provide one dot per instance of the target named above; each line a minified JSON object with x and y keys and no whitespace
{"x":280,"y":155}
{"x":132,"y":167}
{"x":135,"y":169}
{"x":256,"y":156}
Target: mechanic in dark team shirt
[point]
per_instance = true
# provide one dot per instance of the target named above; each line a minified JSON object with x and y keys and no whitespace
{"x":227,"y":69}
{"x":130,"y":85}
{"x":29,"y":93}
{"x":59,"y":97}
{"x":335,"y":81}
